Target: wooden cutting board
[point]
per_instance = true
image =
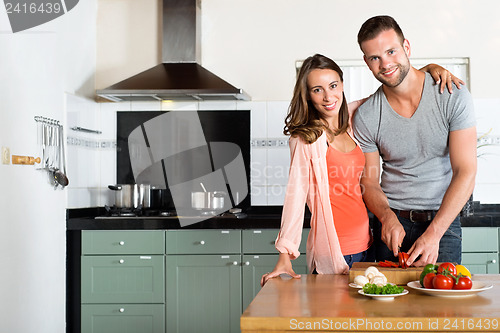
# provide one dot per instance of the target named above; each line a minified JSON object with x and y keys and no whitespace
{"x":394,"y":275}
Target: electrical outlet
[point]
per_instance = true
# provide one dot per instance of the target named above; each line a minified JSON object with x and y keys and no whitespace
{"x":5,"y":155}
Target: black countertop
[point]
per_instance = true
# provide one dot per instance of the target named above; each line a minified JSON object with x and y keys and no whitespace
{"x":262,"y":217}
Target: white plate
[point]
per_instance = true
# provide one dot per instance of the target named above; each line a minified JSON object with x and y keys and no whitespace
{"x":477,"y":287}
{"x":354,"y":285}
{"x":387,"y":297}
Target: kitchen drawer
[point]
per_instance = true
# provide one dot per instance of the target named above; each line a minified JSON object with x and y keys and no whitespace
{"x":481,"y":263}
{"x":123,"y":318}
{"x":262,"y":241}
{"x":203,"y":241}
{"x":479,"y":239}
{"x":123,"y":242}
{"x":123,"y":279}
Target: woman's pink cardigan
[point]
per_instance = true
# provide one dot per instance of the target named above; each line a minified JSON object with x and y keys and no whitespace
{"x":308,"y":183}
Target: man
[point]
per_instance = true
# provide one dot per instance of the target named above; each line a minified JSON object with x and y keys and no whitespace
{"x":427,"y":142}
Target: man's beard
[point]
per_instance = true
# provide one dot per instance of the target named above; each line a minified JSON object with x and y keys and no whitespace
{"x":394,"y":82}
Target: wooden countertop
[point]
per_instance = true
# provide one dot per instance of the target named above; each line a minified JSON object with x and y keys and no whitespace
{"x":327,"y":303}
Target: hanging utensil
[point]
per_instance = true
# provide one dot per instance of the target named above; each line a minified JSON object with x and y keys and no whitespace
{"x":58,"y":174}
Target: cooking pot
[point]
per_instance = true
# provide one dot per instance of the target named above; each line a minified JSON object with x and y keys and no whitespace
{"x":145,"y":195}
{"x":126,"y":195}
{"x":208,"y":200}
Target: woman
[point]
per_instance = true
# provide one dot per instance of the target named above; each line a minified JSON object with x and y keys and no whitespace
{"x":326,"y":166}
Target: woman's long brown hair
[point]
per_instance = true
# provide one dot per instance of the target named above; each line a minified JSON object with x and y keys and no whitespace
{"x":303,"y":119}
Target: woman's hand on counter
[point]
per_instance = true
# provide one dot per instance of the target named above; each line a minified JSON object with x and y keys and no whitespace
{"x":284,"y":266}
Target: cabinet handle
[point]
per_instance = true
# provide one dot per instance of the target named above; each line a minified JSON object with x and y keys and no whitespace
{"x":122,"y":310}
{"x":235,"y":263}
{"x":247,"y":263}
{"x":202,"y":242}
{"x":121,"y":261}
{"x":122,"y":243}
{"x":493,"y":261}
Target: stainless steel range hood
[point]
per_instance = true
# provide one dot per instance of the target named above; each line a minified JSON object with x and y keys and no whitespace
{"x":179,"y":77}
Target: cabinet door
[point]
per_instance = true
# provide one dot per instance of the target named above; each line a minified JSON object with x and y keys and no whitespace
{"x":479,"y":239}
{"x":123,"y":242}
{"x":203,"y":241}
{"x":123,"y":318}
{"x":203,"y":293}
{"x":481,"y":263}
{"x":123,"y":279}
{"x":254,"y":266}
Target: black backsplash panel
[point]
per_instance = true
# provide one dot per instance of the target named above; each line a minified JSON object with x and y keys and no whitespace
{"x":218,"y":126}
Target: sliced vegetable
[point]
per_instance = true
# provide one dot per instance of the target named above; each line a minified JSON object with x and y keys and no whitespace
{"x":388,"y":289}
{"x":403,"y":258}
{"x":387,"y":263}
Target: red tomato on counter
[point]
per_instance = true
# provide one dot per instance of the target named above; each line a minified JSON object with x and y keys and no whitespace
{"x":464,"y":283}
{"x":447,"y":266}
{"x":442,"y":282}
{"x":428,"y":280}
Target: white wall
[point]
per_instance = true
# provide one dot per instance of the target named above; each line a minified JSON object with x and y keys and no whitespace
{"x":37,"y":68}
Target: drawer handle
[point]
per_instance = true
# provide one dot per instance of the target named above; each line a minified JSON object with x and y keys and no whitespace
{"x":202,"y":242}
{"x":121,"y":261}
{"x":122,"y":310}
{"x":122,"y":243}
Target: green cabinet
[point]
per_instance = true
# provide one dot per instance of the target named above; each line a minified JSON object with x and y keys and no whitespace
{"x":204,"y":293}
{"x":123,"y":318}
{"x":174,"y":280}
{"x":480,"y":249}
{"x":123,"y":281}
{"x":259,"y":257}
{"x":203,"y":280}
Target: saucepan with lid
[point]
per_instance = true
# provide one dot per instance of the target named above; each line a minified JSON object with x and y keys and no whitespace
{"x":126,"y":195}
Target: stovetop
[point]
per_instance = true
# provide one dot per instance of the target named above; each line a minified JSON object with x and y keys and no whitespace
{"x":114,"y":212}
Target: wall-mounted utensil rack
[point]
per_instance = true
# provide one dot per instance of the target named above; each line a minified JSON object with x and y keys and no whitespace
{"x":51,"y":143}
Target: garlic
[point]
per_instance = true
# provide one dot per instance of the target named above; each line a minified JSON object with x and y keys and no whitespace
{"x":361,"y":280}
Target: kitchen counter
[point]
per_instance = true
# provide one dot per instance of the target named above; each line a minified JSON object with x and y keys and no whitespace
{"x":255,"y":217}
{"x":327,"y":303}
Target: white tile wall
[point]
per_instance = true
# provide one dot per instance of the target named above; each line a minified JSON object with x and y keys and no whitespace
{"x":487,"y":188}
{"x":91,"y":170}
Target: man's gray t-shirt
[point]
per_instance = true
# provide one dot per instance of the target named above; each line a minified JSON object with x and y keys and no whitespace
{"x":416,"y":169}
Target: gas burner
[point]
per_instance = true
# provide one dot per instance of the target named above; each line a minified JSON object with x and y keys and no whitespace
{"x":122,"y":212}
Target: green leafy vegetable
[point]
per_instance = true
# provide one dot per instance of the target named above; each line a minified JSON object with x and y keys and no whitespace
{"x":388,"y":289}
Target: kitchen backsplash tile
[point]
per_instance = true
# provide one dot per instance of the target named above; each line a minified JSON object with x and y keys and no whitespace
{"x":278,"y":164}
{"x":258,"y":165}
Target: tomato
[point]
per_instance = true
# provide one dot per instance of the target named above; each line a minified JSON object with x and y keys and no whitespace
{"x":428,"y":280}
{"x":430,"y":268}
{"x":447,"y":266}
{"x":464,"y":282}
{"x":442,"y":282}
